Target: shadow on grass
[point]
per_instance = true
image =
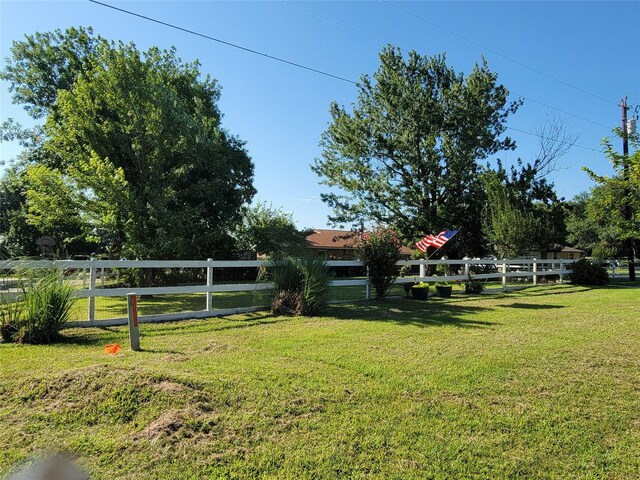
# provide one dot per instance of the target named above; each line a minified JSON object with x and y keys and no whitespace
{"x":89,"y":338}
{"x":103,"y":335}
{"x":428,"y":313}
{"x":532,"y":306}
{"x":209,"y":325}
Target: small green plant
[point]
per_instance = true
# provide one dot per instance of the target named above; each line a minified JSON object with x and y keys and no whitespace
{"x":48,"y":299}
{"x":584,"y":272}
{"x":41,"y":308}
{"x":316,"y":280}
{"x":442,"y":283}
{"x":470,"y":285}
{"x":473,"y":287}
{"x":300,"y":287}
{"x":380,"y":249}
{"x":421,"y":285}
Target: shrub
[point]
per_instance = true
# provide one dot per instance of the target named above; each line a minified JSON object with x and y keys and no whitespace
{"x":380,"y":249}
{"x":584,"y":272}
{"x":316,"y":280}
{"x":299,"y":286}
{"x":473,"y":286}
{"x":45,"y":306}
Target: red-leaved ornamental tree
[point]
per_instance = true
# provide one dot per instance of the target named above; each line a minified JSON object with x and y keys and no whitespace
{"x":380,"y":249}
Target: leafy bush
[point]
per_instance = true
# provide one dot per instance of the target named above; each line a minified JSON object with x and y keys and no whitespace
{"x":584,"y":272}
{"x":299,"y":286}
{"x":43,"y":309}
{"x":473,"y":286}
{"x":380,"y":249}
{"x":316,"y":280}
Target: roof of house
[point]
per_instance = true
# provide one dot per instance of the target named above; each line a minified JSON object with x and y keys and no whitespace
{"x":343,"y":239}
{"x":571,"y":250}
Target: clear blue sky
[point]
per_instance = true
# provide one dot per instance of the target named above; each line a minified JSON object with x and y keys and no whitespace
{"x":281,"y":111}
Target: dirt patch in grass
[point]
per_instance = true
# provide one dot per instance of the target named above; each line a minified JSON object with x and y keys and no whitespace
{"x":214,"y":347}
{"x":101,"y":394}
{"x":167,"y":424}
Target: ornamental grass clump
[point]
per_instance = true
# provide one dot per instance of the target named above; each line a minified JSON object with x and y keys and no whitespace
{"x":41,"y":309}
{"x":380,"y":250}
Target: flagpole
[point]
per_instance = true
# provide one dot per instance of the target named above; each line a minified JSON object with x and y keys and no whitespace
{"x":436,"y":251}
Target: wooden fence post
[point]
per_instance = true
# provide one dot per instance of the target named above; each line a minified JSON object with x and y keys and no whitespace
{"x":91,"y":314}
{"x":535,"y":272}
{"x":423,"y":268}
{"x":209,"y":284}
{"x":134,"y":331}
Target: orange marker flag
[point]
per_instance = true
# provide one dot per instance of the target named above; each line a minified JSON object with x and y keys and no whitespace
{"x":111,"y":349}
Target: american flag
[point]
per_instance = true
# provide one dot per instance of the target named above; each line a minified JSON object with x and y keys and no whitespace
{"x":437,"y":241}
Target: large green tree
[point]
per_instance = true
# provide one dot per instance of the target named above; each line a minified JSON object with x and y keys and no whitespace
{"x":406,"y":153}
{"x":138,"y":137}
{"x":523,"y":213}
{"x":270,"y":231}
{"x":590,"y":227}
{"x":619,"y":195}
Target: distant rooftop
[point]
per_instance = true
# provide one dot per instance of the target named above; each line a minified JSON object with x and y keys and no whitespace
{"x":343,"y":239}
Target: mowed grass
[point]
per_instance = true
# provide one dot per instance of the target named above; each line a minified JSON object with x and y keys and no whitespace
{"x":116,"y":307}
{"x":539,"y":383}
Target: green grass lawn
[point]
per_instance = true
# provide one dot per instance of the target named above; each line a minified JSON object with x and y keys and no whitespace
{"x":539,"y":383}
{"x":116,"y":307}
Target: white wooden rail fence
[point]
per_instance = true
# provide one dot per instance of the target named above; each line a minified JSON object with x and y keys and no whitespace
{"x":505,"y":269}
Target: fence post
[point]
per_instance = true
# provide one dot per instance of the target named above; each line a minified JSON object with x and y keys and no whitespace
{"x":466,"y":270}
{"x":367,"y":293}
{"x":504,"y":274}
{"x":423,"y":268}
{"x":91,"y":314}
{"x":613,"y":268}
{"x":560,"y":268}
{"x":535,"y":272}
{"x":134,"y":331}
{"x":102,"y":277}
{"x":209,"y":284}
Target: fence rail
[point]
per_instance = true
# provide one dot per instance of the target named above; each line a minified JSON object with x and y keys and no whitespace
{"x":523,"y":268}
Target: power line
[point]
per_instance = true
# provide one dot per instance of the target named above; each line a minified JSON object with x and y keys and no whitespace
{"x":384,"y":42}
{"x":272,"y":57}
{"x":573,"y":164}
{"x":256,"y":52}
{"x":343,"y":25}
{"x":571,"y":144}
{"x":451,"y":32}
{"x":576,"y":177}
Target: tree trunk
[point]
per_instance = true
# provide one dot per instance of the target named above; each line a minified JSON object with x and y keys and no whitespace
{"x":146,"y":276}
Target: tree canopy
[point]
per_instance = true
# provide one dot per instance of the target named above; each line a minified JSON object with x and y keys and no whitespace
{"x":406,"y":154}
{"x":137,"y":138}
{"x":618,"y":196}
{"x":270,"y":231}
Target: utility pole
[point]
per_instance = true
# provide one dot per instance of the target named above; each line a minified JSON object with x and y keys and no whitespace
{"x":627,"y":206}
